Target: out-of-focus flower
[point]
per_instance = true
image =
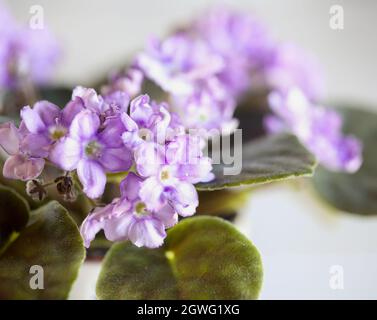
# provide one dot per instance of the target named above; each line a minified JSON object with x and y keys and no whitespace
{"x":93,"y":148}
{"x":25,"y":53}
{"x":129,"y":82}
{"x":177,"y":62}
{"x":128,"y":218}
{"x":318,"y":128}
{"x":289,"y":66}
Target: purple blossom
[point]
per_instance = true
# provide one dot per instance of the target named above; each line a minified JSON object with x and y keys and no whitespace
{"x":170,"y":172}
{"x":129,"y":82}
{"x":243,"y":41}
{"x":290,"y":66}
{"x":25,"y":54}
{"x":93,"y":148}
{"x":128,"y":218}
{"x":209,"y":107}
{"x":318,"y":128}
{"x":25,"y":152}
{"x":176,"y":63}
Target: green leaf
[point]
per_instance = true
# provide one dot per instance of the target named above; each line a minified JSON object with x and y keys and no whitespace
{"x":222,"y":203}
{"x":354,"y":193}
{"x":268,"y":159}
{"x":202,"y":258}
{"x":14,"y":213}
{"x":57,"y":95}
{"x":51,"y":240}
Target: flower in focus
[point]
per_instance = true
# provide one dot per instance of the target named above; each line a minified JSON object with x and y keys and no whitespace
{"x":93,"y":148}
{"x":128,"y":218}
{"x":318,"y":128}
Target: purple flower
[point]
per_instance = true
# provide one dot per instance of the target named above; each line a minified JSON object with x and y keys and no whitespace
{"x":209,"y":107}
{"x":93,"y":148}
{"x":129,"y":82}
{"x":170,"y":172}
{"x":25,"y":54}
{"x":176,"y":63}
{"x":147,"y":121}
{"x":25,"y":160}
{"x":242,"y":41}
{"x":128,"y":218}
{"x":318,"y":128}
{"x":289,"y":66}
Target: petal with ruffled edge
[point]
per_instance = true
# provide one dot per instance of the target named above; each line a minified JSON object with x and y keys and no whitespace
{"x":147,"y":232}
{"x":22,"y":168}
{"x":167,"y":216}
{"x":93,"y":178}
{"x":94,"y":223}
{"x":9,"y":138}
{"x":184,"y":199}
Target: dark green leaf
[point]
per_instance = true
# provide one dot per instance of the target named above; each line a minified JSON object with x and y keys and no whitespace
{"x":14,"y":213}
{"x":203,"y":258}
{"x":264,"y":160}
{"x":355,"y":193}
{"x":50,"y":240}
{"x":57,"y":95}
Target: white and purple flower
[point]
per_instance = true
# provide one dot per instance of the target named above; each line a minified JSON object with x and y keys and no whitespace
{"x":318,"y":128}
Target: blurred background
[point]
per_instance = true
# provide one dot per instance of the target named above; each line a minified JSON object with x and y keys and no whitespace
{"x":299,"y":238}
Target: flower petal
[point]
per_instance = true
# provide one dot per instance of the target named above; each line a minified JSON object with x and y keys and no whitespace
{"x":9,"y":138}
{"x":93,"y":178}
{"x":116,"y":159}
{"x":85,"y":125}
{"x":22,"y":168}
{"x":151,"y":192}
{"x":185,"y":199}
{"x":147,"y":232}
{"x":66,"y":153}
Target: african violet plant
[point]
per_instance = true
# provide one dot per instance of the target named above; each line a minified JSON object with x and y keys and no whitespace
{"x":129,"y":163}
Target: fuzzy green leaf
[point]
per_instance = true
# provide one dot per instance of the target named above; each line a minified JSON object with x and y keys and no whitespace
{"x":354,"y":193}
{"x":50,"y":240}
{"x":202,"y":258}
{"x":264,"y":160}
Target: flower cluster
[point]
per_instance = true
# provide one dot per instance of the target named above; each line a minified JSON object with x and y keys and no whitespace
{"x":95,"y":135}
{"x":222,"y":55}
{"x":317,"y":127}
{"x":26,"y":54}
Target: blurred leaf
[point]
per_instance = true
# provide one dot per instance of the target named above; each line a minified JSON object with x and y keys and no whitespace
{"x":58,"y":95}
{"x":51,"y":240}
{"x":223,"y":203}
{"x":14,"y":213}
{"x":202,"y":258}
{"x":264,"y":160}
{"x":355,"y":193}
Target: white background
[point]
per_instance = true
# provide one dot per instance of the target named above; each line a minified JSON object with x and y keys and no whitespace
{"x":299,"y":239}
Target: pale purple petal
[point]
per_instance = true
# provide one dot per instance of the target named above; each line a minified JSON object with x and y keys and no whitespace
{"x":130,"y":186}
{"x":167,"y":216}
{"x":22,"y":168}
{"x":116,"y":159}
{"x":151,"y":192}
{"x":92,"y":177}
{"x":147,"y":232}
{"x":85,"y":125}
{"x":185,"y":199}
{"x":94,"y":223}
{"x":66,"y":153}
{"x":9,"y":138}
{"x":32,"y":120}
